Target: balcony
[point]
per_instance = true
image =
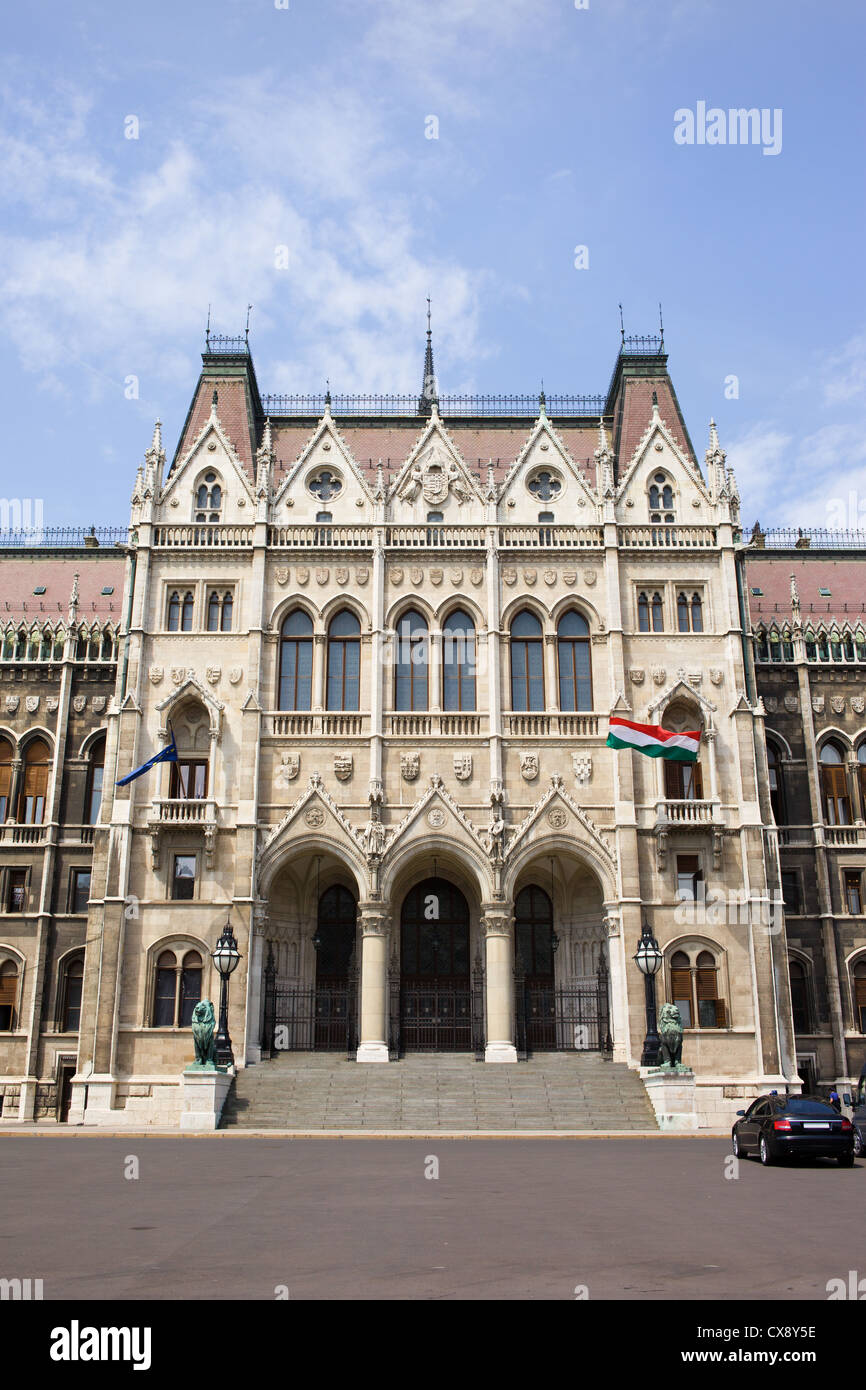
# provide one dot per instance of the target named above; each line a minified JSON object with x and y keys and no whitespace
{"x":845,"y":836}
{"x":661,"y":537}
{"x":551,"y":725}
{"x":551,"y":537}
{"x":320,"y":537}
{"x":202,"y":537}
{"x":431,"y":724}
{"x":177,"y":813}
{"x":300,"y":725}
{"x":688,"y":813}
{"x":14,"y":834}
{"x":435,"y":537}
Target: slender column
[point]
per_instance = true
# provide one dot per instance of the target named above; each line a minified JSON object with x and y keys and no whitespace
{"x":854,"y":766}
{"x":318,"y":671}
{"x":494,"y":694}
{"x":374,"y":983}
{"x":710,"y":740}
{"x":434,"y":674}
{"x":551,"y":680}
{"x":498,"y":927}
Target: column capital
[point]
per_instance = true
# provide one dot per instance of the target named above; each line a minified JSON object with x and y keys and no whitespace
{"x":374,"y":919}
{"x":497,"y":921}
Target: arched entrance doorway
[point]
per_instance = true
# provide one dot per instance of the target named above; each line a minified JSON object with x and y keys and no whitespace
{"x":559,"y":1005}
{"x":435,"y":987}
{"x":334,"y":942}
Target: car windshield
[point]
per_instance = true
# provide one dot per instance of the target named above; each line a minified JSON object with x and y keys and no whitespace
{"x":805,"y":1105}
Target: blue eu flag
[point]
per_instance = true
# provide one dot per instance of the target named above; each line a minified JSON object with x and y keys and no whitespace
{"x":166,"y":755}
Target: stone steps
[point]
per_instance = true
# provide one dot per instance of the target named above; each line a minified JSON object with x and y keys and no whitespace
{"x":579,"y":1091}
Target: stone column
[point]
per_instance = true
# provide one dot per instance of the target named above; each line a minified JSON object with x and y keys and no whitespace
{"x":857,"y":807}
{"x":319,"y":662}
{"x":551,"y":675}
{"x":498,"y":926}
{"x":374,"y":924}
{"x":434,"y":671}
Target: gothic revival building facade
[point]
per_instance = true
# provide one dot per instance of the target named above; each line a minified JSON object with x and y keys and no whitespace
{"x":386,"y":636}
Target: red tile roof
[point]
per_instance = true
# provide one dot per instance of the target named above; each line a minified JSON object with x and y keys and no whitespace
{"x":635,"y":413}
{"x":20,"y":575}
{"x":846,"y":580}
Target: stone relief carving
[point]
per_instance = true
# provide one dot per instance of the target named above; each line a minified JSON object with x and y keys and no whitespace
{"x":659,"y":673}
{"x":362,"y":574}
{"x":509,"y":577}
{"x":529,"y":578}
{"x":31,"y":703}
{"x":436,"y":577}
{"x":410,"y":766}
{"x":463,"y":766}
{"x":235,"y":674}
{"x":716,"y":675}
{"x":322,"y":575}
{"x":529,"y":766}
{"x":636,"y":675}
{"x":98,"y":703}
{"x":818,"y":704}
{"x":290,"y":766}
{"x":582,"y":764}
{"x":837,"y":704}
{"x":303,"y":574}
{"x":213,"y":674}
{"x":281,"y":574}
{"x":343,"y":766}
{"x":12,"y":703}
{"x":156,"y":674}
{"x":792,"y":702}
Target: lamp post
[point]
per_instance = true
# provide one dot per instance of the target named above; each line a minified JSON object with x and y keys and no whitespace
{"x":225,"y":957}
{"x":648,"y":959}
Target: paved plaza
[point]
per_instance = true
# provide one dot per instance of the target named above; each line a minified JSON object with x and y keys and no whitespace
{"x":626,"y":1218}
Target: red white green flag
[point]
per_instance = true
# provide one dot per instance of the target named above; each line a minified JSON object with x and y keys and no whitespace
{"x":653,"y":740}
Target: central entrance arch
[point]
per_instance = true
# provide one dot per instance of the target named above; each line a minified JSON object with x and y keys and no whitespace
{"x":435,"y":986}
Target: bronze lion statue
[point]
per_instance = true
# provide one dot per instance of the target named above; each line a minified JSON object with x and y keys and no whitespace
{"x":670,"y":1036}
{"x":203,"y":1026}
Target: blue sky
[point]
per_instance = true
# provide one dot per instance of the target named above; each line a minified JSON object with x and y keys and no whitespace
{"x":304,"y":128}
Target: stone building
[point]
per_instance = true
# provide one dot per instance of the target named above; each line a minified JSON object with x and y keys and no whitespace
{"x":387,"y":634}
{"x":808,"y":616}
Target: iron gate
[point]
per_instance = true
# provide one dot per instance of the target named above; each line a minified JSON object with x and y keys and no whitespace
{"x":562,"y":1018}
{"x":436,"y":1015}
{"x":317,"y":1018}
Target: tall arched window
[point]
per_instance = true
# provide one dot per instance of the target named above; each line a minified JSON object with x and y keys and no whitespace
{"x":296,"y":661}
{"x":695,"y":990}
{"x":690,"y":612}
{"x":861,"y":769}
{"x":575,"y":670}
{"x":834,"y":785}
{"x":73,"y":980}
{"x":95,"y":775}
{"x":643,"y":621}
{"x":657,"y":613}
{"x":799,"y":997}
{"x":777,"y":789}
{"x":208,"y":498}
{"x":34,"y":789}
{"x":650,"y":612}
{"x":219,"y":610}
{"x":188,"y":780}
{"x":527,"y":662}
{"x":458,"y":661}
{"x":5,"y":777}
{"x":177,"y":988}
{"x":344,"y":661}
{"x":533,"y":933}
{"x":8,"y":995}
{"x":173,"y":615}
{"x":411,"y":666}
{"x":661,"y":499}
{"x":186,"y":612}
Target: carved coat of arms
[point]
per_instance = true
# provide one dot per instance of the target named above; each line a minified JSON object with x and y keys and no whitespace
{"x":31,"y":703}
{"x":416,"y":574}
{"x":582,"y":764}
{"x":281,"y":574}
{"x":858,"y":704}
{"x":79,"y":703}
{"x":463,"y":766}
{"x":818,"y":704}
{"x":436,"y":576}
{"x":342,"y":574}
{"x":12,"y":703}
{"x":410,"y":766}
{"x":343,"y":766}
{"x":156,"y":674}
{"x":477,"y":577}
{"x":362,"y":574}
{"x":792,"y":703}
{"x":99,"y":702}
{"x":290,"y":766}
{"x":837,"y":704}
{"x":529,"y":766}
{"x":509,"y":577}
{"x":529,"y":577}
{"x":213,"y":674}
{"x":303,"y":574}
{"x":322,"y":575}
{"x":235,"y":674}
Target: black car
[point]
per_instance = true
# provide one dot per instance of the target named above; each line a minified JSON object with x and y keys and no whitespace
{"x":858,"y":1104}
{"x":776,"y":1127}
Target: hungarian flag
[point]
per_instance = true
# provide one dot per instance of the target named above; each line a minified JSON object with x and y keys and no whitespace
{"x":653,"y":740}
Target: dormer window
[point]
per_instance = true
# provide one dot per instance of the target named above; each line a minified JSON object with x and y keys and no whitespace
{"x":435,"y":516}
{"x":208,"y":498}
{"x":324,"y":517}
{"x":545,"y":517}
{"x":661,"y":499}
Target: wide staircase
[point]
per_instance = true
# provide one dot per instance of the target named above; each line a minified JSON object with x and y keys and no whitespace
{"x":439,"y":1091}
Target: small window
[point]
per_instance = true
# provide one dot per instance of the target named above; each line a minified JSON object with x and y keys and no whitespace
{"x":546,"y":518}
{"x":79,"y":892}
{"x":657,"y":613}
{"x":188,"y":780}
{"x":324,"y":517}
{"x":108,"y":589}
{"x":854,"y":891}
{"x":435,"y":516}
{"x":8,"y":995}
{"x":72,"y":986}
{"x":756,"y":592}
{"x":41,"y":589}
{"x":183,"y":877}
{"x":544,"y":486}
{"x":16,"y":890}
{"x":325,"y":485}
{"x":689,"y":877}
{"x":791,"y":891}
{"x":825,"y":593}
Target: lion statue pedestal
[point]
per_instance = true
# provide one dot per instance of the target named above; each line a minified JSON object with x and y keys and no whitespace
{"x":205,"y":1085}
{"x":671,"y":1085}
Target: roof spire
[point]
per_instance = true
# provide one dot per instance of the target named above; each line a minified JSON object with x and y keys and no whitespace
{"x":429,"y":390}
{"x":73,"y":599}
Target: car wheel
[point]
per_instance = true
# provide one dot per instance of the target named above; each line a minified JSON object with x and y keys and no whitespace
{"x":766,"y":1156}
{"x":845,"y":1160}
{"x":858,"y":1144}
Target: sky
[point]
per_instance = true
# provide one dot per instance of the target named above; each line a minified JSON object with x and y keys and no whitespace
{"x":331,"y":162}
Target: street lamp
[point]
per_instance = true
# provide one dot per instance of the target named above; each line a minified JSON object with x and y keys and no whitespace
{"x":225,"y":957}
{"x":648,"y":959}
